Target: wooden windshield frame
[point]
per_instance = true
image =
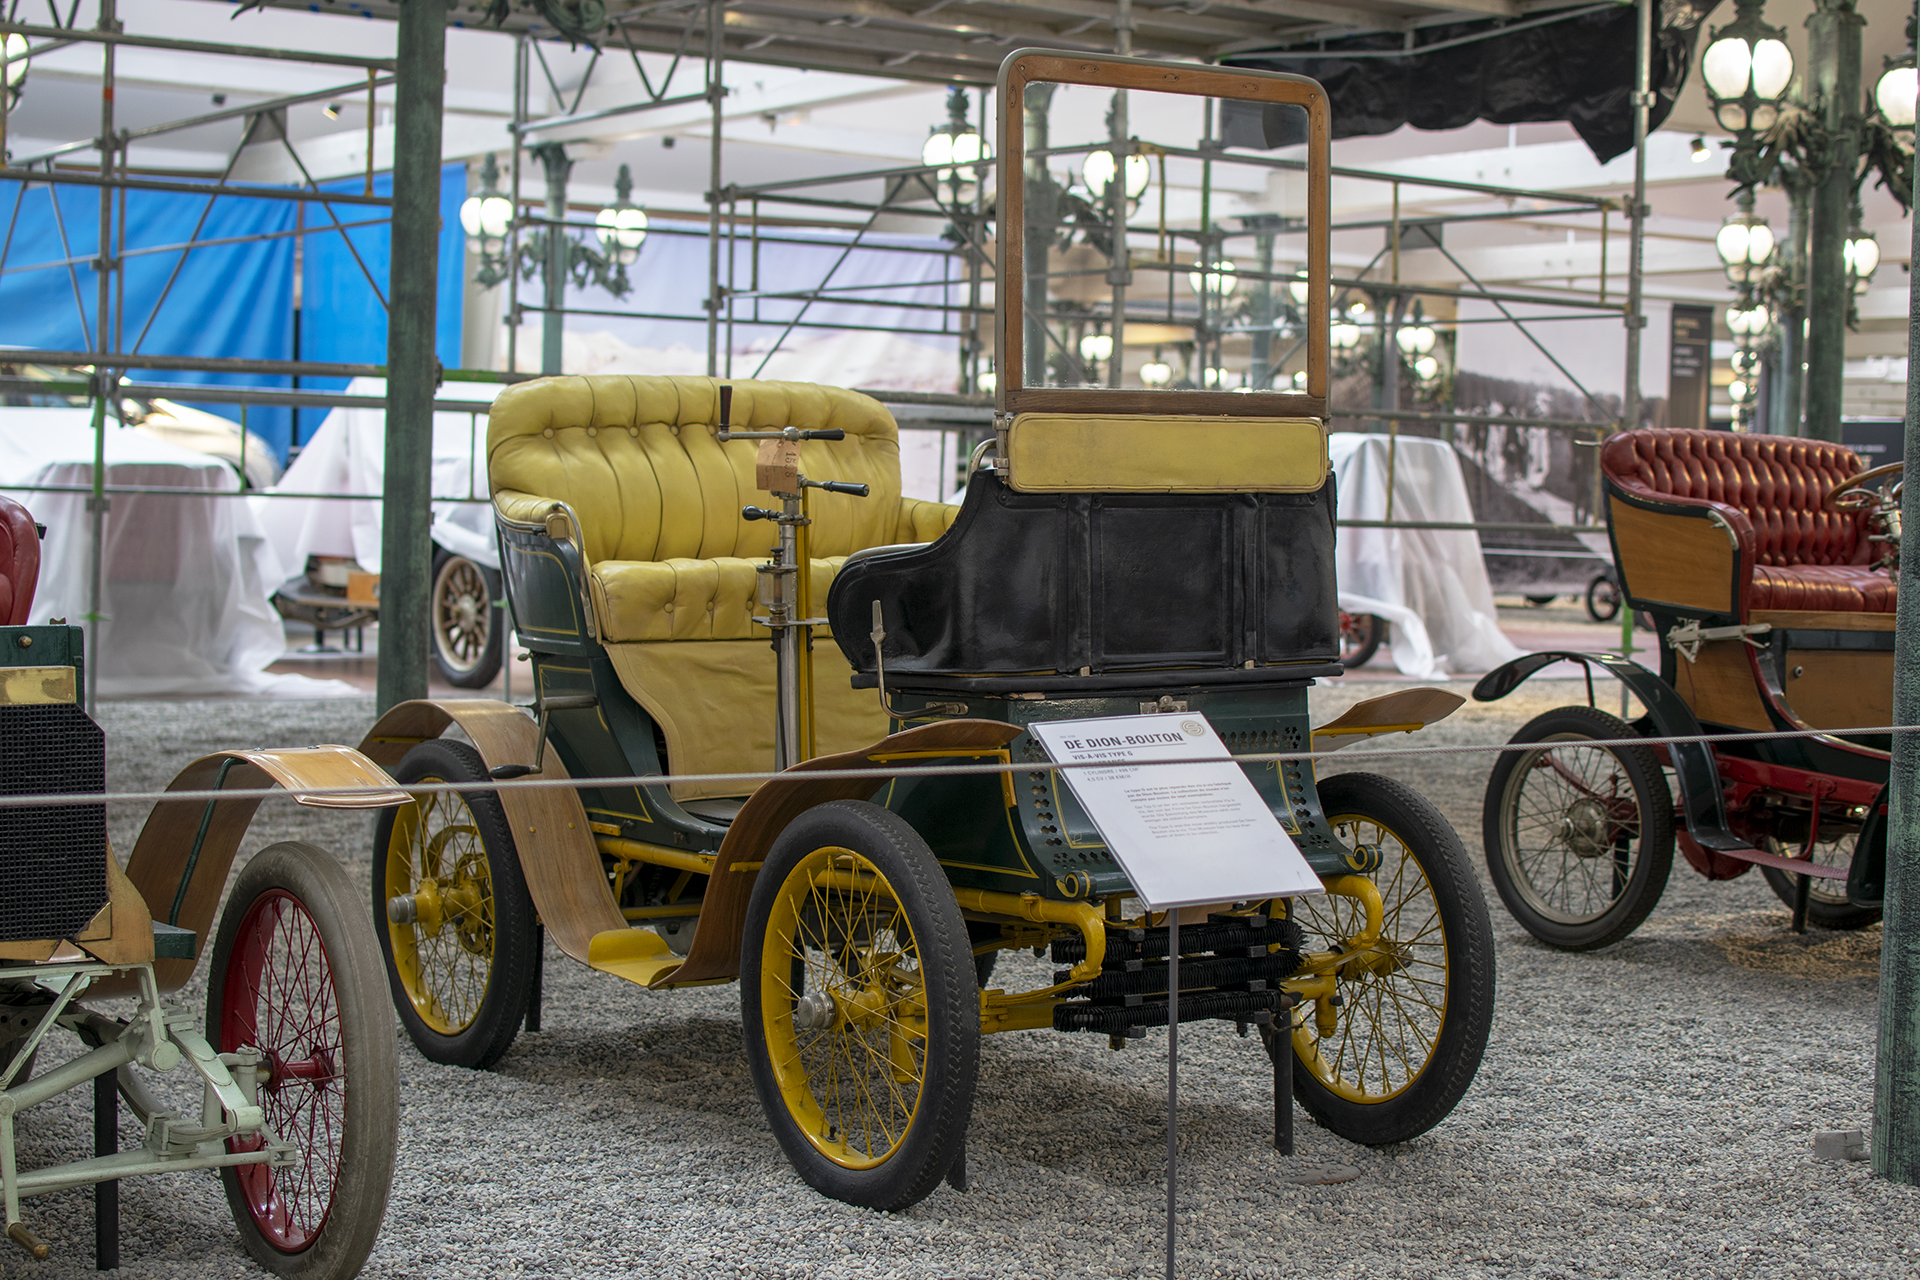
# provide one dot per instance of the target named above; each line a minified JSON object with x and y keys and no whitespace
{"x":1031,"y":66}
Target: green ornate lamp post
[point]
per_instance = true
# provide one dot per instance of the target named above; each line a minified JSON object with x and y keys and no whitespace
{"x":1746,"y":69}
{"x":486,"y":216}
{"x":621,"y":227}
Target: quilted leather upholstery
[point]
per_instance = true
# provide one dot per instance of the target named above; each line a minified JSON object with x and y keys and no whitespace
{"x":659,"y":498}
{"x":19,"y":562}
{"x":1770,"y":489}
{"x":1833,"y":588}
{"x":686,"y":599}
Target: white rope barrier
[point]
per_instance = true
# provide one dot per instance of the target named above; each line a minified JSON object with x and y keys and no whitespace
{"x":655,"y":780}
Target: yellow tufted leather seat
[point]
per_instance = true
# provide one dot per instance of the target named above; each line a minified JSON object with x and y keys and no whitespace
{"x":671,"y":564}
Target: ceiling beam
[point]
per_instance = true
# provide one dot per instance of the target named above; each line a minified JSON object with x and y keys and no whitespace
{"x":1349,"y":16}
{"x":861,"y":13}
{"x":984,"y":50}
{"x":1150,"y":24}
{"x":1492,"y":8}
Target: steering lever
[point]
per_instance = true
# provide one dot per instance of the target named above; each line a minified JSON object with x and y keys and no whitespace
{"x":724,"y":427}
{"x":834,"y":486}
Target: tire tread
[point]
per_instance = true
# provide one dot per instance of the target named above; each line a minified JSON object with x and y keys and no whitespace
{"x":1470,"y":969}
{"x":510,"y":984}
{"x":359,"y":1207}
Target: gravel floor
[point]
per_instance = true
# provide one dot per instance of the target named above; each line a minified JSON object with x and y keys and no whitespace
{"x":1645,"y":1111}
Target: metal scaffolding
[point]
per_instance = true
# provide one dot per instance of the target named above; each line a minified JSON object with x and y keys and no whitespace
{"x":743,"y":222}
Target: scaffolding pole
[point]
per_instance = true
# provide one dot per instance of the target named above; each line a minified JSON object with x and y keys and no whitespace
{"x":716,"y":92}
{"x":104,"y":378}
{"x":412,"y":371}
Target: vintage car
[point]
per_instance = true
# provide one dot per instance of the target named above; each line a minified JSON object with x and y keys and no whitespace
{"x":297,"y":1065}
{"x":1767,"y":566}
{"x":797,"y":708}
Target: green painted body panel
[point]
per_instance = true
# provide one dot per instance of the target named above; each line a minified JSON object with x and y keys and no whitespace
{"x":1043,"y":843}
{"x":546,"y":590}
{"x":45,"y":646}
{"x":1049,"y":838}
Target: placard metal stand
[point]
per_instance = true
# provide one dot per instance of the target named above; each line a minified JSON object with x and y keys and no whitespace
{"x":1189,"y":829}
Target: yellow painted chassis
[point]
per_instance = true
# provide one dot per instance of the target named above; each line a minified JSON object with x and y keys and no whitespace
{"x":1030,"y":920}
{"x":567,"y":851}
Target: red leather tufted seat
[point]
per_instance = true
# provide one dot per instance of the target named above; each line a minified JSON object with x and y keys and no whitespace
{"x":1770,"y":491}
{"x":19,"y":562}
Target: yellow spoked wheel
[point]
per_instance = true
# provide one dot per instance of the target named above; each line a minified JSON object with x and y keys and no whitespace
{"x":1390,"y":1050}
{"x":860,"y":1006}
{"x":458,"y":936}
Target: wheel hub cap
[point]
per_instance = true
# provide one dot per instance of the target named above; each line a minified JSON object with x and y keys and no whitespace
{"x":814,"y":1011}
{"x":1586,"y":830}
{"x":421,"y":908}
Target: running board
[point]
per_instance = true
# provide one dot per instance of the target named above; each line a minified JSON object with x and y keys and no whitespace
{"x":1793,"y":866}
{"x":641,"y":956}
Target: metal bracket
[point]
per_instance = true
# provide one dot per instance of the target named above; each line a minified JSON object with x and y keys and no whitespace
{"x":237,"y":1111}
{"x":1687,"y":638}
{"x":1719,"y":521}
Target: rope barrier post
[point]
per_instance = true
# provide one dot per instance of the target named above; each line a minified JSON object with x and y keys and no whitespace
{"x":1896,"y":1089}
{"x":534,"y":987}
{"x":1280,"y":1049}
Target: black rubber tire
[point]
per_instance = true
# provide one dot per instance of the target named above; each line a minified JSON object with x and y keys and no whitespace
{"x":1827,"y":905}
{"x":360,"y":1098}
{"x":1541,"y":602}
{"x":461,"y":661}
{"x":1361,"y":635}
{"x":1603,"y":599}
{"x":488,"y":972}
{"x":983,"y":964}
{"x":1465,"y":1016}
{"x":934,"y":1132}
{"x":1631,"y":774}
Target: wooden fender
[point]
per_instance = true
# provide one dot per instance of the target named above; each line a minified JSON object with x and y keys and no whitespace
{"x":1403,"y":712}
{"x":715,"y":955}
{"x":550,"y":833}
{"x":180,"y":861}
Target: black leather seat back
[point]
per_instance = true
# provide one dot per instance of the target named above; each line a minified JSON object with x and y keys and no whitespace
{"x":1054,"y":583}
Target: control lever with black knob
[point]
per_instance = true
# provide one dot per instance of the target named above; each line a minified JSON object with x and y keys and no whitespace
{"x":565,"y":702}
{"x":726,"y":433}
{"x":836,"y":486}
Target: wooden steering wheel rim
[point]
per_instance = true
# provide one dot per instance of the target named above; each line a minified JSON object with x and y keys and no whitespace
{"x":1831,"y":501}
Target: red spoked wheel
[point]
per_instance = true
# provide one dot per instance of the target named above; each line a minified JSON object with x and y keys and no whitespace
{"x":294,"y":977}
{"x":1360,"y":637}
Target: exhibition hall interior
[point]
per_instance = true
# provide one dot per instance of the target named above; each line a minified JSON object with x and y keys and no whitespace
{"x":875,"y":638}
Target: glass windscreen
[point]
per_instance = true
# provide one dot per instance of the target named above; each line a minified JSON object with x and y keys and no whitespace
{"x":1165,"y":241}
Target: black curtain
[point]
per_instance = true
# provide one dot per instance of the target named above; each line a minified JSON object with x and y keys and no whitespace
{"x":1578,"y":69}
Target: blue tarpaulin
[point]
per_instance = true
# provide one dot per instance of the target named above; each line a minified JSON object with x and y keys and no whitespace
{"x":221,"y":299}
{"x":342,"y":319}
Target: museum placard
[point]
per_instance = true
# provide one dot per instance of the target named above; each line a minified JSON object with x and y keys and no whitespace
{"x":1184,"y":822}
